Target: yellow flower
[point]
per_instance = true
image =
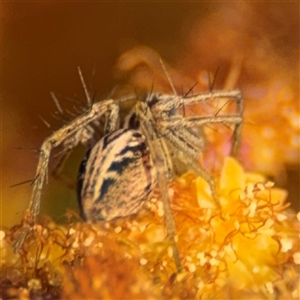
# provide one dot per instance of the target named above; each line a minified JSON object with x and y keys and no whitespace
{"x":246,"y":247}
{"x":248,"y":244}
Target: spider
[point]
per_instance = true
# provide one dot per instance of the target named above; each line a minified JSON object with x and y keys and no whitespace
{"x":120,"y":171}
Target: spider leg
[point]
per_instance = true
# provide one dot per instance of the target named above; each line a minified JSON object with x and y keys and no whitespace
{"x":237,"y":118}
{"x":180,"y":132}
{"x":178,"y":122}
{"x":161,"y":157}
{"x":169,"y":104}
{"x":68,"y":137}
{"x":88,"y":136}
{"x":188,"y":145}
{"x":166,"y":103}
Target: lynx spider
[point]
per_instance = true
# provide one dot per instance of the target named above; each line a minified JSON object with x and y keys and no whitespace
{"x":154,"y":126}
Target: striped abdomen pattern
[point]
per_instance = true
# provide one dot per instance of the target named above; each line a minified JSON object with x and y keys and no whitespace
{"x":116,"y":176}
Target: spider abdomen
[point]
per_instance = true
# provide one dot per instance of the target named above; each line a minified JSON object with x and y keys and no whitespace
{"x":116,"y":176}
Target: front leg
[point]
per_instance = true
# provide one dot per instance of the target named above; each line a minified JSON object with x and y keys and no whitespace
{"x":66,"y":136}
{"x":188,"y":143}
{"x":163,"y":164}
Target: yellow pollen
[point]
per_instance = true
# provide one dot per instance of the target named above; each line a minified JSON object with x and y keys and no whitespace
{"x":269,"y":184}
{"x":281,"y":217}
{"x":170,"y":251}
{"x":72,"y":231}
{"x":143,"y":261}
{"x":214,"y":262}
{"x":192,"y":268}
{"x":269,"y":287}
{"x":118,"y":229}
{"x":296,"y":257}
{"x":286,"y":244}
{"x":2,"y":235}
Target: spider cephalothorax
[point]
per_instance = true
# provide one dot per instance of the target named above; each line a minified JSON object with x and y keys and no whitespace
{"x":121,"y":170}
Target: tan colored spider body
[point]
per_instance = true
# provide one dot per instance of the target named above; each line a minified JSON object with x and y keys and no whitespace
{"x":121,"y":169}
{"x":116,"y":176}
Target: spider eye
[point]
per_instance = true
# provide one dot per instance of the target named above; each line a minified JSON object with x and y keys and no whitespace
{"x":154,"y":99}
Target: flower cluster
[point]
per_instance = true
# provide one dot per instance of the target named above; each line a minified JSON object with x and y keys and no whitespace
{"x":245,"y":247}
